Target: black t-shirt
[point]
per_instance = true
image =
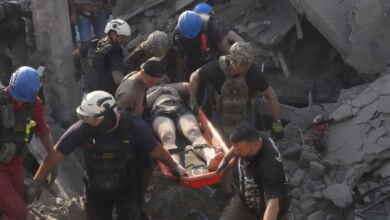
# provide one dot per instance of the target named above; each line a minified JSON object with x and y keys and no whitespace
{"x":262,"y":178}
{"x":191,"y":48}
{"x":99,"y":76}
{"x":79,"y":133}
{"x":212,"y":73}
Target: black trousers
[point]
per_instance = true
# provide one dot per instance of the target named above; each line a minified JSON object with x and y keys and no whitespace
{"x":127,"y":204}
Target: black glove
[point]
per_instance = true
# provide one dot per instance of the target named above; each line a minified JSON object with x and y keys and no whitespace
{"x":224,"y":162}
{"x":277,"y":130}
{"x":33,"y":191}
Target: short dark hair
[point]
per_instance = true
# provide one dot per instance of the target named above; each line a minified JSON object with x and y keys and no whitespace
{"x":153,"y":67}
{"x":244,"y":132}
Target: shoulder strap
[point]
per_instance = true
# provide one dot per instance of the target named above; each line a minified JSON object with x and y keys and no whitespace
{"x":3,"y":97}
{"x":205,"y":22}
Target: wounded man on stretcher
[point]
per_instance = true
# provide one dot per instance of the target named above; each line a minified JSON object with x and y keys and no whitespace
{"x":169,"y":113}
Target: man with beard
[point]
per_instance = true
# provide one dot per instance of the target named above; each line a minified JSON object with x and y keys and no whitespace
{"x":262,"y":181}
{"x":236,"y":79}
{"x":112,"y":144}
{"x":105,"y":59}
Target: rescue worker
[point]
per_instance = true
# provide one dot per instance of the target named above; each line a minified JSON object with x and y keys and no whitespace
{"x":156,"y":45}
{"x":21,"y":116}
{"x":131,"y":95}
{"x":105,"y":59}
{"x":230,"y":35}
{"x":170,"y":113}
{"x":235,"y":79}
{"x":263,"y":184}
{"x":198,"y":38}
{"x":13,"y":45}
{"x":131,"y":92}
{"x":89,"y":15}
{"x":111,"y":143}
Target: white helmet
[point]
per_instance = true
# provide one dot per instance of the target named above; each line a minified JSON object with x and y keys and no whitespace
{"x":95,"y":104}
{"x":119,"y":26}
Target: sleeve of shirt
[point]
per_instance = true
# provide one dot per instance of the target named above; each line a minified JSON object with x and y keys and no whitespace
{"x":144,"y":139}
{"x":256,"y":79}
{"x":71,"y":139}
{"x":116,"y":60}
{"x":216,"y":36}
{"x":42,"y":127}
{"x":134,"y":60}
{"x":272,"y":179}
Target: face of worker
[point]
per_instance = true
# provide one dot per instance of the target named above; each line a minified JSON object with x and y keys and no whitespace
{"x":93,"y":121}
{"x":247,"y":149}
{"x":119,"y":39}
{"x":148,"y":80}
{"x":237,"y":70}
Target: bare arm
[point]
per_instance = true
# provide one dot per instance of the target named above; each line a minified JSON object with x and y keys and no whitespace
{"x":224,"y":46}
{"x":48,"y":165}
{"x":271,"y":209}
{"x":117,"y":77}
{"x":194,"y":83}
{"x":273,"y":103}
{"x":232,"y":36}
{"x":159,"y":153}
{"x":47,"y":142}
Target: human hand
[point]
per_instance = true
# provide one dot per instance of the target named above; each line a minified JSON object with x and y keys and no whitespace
{"x":277,"y":130}
{"x":53,"y":176}
{"x":33,"y":191}
{"x":224,"y":162}
{"x":194,"y":104}
{"x":179,"y":171}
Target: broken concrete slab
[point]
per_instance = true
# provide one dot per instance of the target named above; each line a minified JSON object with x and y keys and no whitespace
{"x":344,"y":111}
{"x":366,"y":97}
{"x":357,"y":29}
{"x":339,"y":194}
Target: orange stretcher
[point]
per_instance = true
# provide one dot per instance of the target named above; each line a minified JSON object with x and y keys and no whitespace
{"x":200,"y":177}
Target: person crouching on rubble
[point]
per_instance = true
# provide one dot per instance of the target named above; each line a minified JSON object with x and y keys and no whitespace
{"x":111,"y":143}
{"x":21,"y":116}
{"x":169,"y":113}
{"x":263,"y":183}
{"x":236,"y":79}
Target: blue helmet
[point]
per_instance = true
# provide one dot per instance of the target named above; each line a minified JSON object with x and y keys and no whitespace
{"x":24,"y":84}
{"x":203,"y":8}
{"x":190,"y":24}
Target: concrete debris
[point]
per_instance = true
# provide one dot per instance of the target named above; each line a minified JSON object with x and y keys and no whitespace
{"x":341,"y":195}
{"x":357,"y":29}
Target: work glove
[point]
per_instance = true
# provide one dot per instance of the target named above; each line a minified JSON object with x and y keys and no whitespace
{"x":224,"y":162}
{"x":33,"y":191}
{"x":194,"y":104}
{"x":277,"y":130}
{"x":179,"y":171}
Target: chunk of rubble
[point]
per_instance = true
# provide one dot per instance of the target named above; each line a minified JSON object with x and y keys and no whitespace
{"x":339,"y":194}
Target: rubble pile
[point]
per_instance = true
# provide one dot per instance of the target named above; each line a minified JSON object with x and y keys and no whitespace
{"x":349,"y":174}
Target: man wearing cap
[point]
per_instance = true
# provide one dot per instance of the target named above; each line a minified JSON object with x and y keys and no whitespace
{"x":131,"y":95}
{"x":236,"y":79}
{"x":198,"y":38}
{"x":131,"y":92}
{"x":21,"y":116}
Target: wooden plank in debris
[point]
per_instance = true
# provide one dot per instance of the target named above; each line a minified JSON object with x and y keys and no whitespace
{"x":283,"y":64}
{"x":141,"y":9}
{"x":281,"y":17}
{"x":180,"y":4}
